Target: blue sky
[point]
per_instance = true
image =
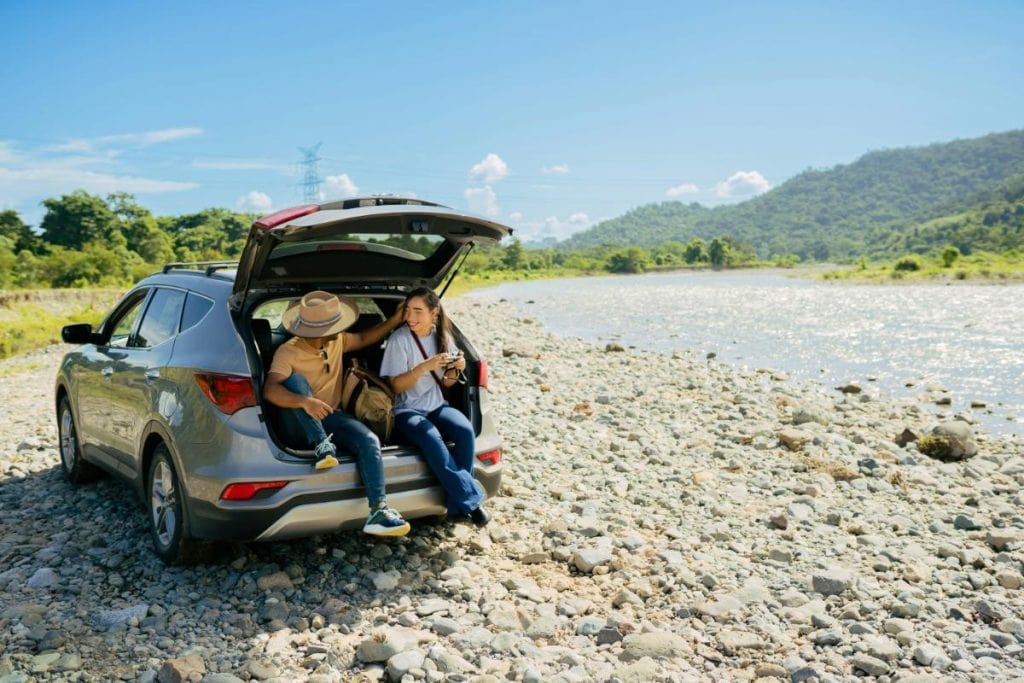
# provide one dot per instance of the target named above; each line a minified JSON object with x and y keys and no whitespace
{"x":549,"y":116}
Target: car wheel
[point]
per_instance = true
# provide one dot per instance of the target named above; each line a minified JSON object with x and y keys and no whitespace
{"x":168,"y":525}
{"x":77,"y":470}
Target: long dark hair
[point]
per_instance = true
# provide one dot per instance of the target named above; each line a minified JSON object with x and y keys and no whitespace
{"x":442,"y":328}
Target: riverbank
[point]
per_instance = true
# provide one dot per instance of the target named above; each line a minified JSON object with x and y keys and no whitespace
{"x":32,"y":319}
{"x":664,"y":517}
{"x":980,"y":268}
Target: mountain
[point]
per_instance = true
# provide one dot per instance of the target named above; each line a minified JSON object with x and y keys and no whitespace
{"x":871,"y":206}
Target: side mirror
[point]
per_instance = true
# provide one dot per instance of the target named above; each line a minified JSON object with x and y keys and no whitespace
{"x":80,"y":333}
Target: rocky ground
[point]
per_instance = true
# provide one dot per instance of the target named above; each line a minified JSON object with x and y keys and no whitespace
{"x":662,"y":518}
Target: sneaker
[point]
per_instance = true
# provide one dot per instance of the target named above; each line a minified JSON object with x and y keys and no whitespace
{"x":325,"y":452}
{"x":479,"y":517}
{"x":385,"y":521}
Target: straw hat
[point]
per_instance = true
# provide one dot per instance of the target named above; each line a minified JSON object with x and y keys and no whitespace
{"x":319,"y":314}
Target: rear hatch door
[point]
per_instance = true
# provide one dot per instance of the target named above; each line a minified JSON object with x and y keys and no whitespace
{"x":371,"y":242}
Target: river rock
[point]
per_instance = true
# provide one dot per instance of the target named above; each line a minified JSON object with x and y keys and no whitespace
{"x":656,"y":644}
{"x":180,"y":669}
{"x":949,"y":441}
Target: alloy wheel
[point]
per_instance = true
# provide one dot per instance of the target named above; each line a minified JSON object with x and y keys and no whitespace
{"x":163,"y":503}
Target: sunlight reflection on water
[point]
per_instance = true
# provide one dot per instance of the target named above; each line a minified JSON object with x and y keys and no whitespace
{"x":968,"y":338}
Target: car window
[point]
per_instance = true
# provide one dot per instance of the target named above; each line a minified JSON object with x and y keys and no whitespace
{"x":125,"y":323}
{"x":160,"y":322}
{"x":196,"y":307}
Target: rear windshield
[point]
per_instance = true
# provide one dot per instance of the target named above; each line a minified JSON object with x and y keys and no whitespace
{"x":408,"y":247}
{"x":272,"y":310}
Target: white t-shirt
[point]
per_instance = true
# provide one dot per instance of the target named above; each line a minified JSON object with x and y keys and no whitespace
{"x":400,"y":356}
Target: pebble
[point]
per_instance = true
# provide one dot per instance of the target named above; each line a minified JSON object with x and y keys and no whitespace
{"x":647,"y":530}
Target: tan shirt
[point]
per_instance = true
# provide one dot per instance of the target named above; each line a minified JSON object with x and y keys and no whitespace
{"x":295,"y":355}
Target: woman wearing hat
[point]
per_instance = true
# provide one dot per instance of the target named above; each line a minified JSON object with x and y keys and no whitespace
{"x":418,"y":363}
{"x":305,"y":380}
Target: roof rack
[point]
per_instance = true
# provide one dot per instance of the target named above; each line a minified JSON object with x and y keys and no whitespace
{"x":210,"y":266}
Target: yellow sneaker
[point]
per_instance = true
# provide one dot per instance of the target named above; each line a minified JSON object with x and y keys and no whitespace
{"x":326,"y":462}
{"x":325,"y":452}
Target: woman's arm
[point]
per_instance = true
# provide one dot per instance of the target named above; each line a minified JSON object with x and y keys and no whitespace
{"x":405,"y":381}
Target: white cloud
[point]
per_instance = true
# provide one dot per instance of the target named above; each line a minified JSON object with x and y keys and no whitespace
{"x":482,"y":200}
{"x":255,"y":202}
{"x":679,"y":190}
{"x":557,"y":169}
{"x":515,"y":217}
{"x":340,"y":186}
{"x":491,"y":169}
{"x":238,"y":165}
{"x":742,"y":183}
{"x":41,"y":180}
{"x":7,"y":153}
{"x":552,"y":227}
{"x":144,"y":139}
{"x":27,"y":176}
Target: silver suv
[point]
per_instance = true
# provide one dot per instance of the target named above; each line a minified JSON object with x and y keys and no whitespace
{"x":166,"y":393}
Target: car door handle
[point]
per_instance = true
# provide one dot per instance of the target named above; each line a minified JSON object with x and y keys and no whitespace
{"x":152,"y":375}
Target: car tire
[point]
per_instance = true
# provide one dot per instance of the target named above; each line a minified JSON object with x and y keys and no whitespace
{"x":168,"y":521}
{"x":77,"y":470}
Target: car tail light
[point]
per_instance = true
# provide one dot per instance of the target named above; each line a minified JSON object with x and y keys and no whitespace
{"x":284,"y":215}
{"x":482,"y":374}
{"x":229,"y":393}
{"x":490,"y":457}
{"x":248,"y":490}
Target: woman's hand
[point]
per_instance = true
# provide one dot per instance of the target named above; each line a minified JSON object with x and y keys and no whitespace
{"x":316,"y":408}
{"x":458,"y":364}
{"x":435,"y":363}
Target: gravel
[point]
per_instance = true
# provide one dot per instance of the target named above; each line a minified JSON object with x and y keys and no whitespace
{"x":661,"y":518}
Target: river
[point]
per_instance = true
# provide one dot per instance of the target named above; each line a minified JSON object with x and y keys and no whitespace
{"x":968,"y":338}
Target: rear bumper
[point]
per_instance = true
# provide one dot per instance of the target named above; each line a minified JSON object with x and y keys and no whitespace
{"x":320,"y":512}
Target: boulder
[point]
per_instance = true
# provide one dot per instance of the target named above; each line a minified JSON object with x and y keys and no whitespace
{"x":949,"y":442}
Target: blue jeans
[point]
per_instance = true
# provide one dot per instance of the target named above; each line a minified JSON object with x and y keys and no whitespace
{"x":453,"y":469}
{"x":349,"y":435}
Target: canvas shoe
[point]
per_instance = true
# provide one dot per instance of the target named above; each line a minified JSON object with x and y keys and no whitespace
{"x":325,"y":452}
{"x":479,"y":516}
{"x":385,"y":521}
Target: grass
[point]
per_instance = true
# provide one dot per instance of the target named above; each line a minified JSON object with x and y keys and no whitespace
{"x":33,"y":319}
{"x":980,"y":267}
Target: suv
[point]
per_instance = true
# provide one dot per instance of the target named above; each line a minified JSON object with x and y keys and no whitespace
{"x":167,"y":392}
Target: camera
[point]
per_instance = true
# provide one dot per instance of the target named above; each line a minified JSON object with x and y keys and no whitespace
{"x":452,"y":355}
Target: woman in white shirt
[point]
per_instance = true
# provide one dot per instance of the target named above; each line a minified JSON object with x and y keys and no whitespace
{"x":418,"y":364}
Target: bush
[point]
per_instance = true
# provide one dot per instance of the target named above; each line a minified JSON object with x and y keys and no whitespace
{"x":949,"y":256}
{"x":908,"y":263}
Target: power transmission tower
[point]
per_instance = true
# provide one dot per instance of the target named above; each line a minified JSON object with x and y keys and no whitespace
{"x":310,"y":176}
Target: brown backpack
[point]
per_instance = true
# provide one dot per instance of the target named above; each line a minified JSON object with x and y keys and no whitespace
{"x":369,"y":399}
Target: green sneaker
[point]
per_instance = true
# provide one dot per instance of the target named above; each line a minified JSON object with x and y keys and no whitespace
{"x":385,"y":521}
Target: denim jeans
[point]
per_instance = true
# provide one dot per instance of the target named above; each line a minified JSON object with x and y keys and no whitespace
{"x":349,"y":435}
{"x":453,"y":469}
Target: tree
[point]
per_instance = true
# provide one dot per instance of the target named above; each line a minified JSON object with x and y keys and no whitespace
{"x":77,"y":218}
{"x":514,"y":256}
{"x":696,"y":251}
{"x":20,"y":235}
{"x":949,"y":255}
{"x":718,"y":252}
{"x":631,"y":260}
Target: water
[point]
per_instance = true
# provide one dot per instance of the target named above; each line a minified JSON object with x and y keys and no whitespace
{"x":968,"y":338}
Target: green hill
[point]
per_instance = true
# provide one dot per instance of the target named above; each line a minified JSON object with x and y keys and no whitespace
{"x":884,"y":203}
